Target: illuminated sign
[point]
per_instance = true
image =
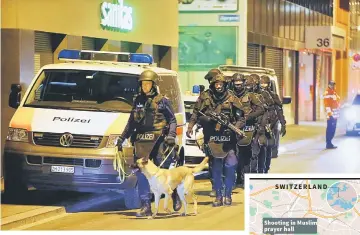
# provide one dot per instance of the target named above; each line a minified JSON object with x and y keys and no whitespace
{"x":116,"y":16}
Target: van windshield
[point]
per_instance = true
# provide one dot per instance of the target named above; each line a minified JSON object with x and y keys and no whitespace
{"x":83,"y":90}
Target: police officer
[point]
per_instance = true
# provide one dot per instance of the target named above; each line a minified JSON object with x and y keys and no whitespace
{"x":265,"y":84}
{"x":331,"y":103}
{"x":209,"y":76}
{"x":262,"y":137}
{"x":267,"y":123}
{"x":219,"y":141}
{"x":151,"y":118}
{"x":253,"y":109}
{"x":248,"y":150}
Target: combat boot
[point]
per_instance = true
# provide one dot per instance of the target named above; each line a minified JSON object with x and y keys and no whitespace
{"x":218,"y":200}
{"x":176,"y":201}
{"x":228,"y":200}
{"x":145,"y":209}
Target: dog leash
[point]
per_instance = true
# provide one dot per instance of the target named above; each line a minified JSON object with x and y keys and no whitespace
{"x":166,"y":156}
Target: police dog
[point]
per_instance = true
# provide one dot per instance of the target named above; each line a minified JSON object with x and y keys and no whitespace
{"x":164,"y":181}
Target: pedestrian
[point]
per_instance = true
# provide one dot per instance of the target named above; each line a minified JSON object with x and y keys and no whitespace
{"x":331,"y":103}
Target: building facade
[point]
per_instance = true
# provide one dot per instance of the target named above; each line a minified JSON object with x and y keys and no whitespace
{"x":280,"y":36}
{"x":211,"y":33}
{"x":34,"y":32}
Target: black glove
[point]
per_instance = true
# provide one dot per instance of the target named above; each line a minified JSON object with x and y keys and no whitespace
{"x":119,"y":143}
{"x":189,"y":132}
{"x":170,"y":141}
{"x":283,"y":130}
{"x":241,"y":123}
{"x":227,"y":132}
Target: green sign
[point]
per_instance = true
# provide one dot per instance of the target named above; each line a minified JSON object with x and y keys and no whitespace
{"x":116,"y":16}
{"x":205,"y":47}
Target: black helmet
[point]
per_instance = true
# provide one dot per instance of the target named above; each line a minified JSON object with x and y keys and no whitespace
{"x":332,"y":83}
{"x":212,"y":73}
{"x":256,"y":78}
{"x":238,"y":77}
{"x":218,"y":78}
{"x":250,"y":83}
{"x":265,"y":82}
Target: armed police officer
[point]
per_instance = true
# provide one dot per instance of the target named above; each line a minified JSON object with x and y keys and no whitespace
{"x":243,"y":89}
{"x":266,"y":124}
{"x":152,"y":128}
{"x":265,"y":84}
{"x":209,"y":76}
{"x":220,"y":142}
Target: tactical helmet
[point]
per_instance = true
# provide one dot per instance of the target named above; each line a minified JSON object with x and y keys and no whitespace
{"x":265,"y":82}
{"x":218,"y":78}
{"x":238,"y":77}
{"x":212,"y":73}
{"x":250,"y":83}
{"x":256,"y":78}
{"x":149,"y":75}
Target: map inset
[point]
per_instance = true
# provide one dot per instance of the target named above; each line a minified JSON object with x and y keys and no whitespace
{"x":342,"y":196}
{"x":334,"y":202}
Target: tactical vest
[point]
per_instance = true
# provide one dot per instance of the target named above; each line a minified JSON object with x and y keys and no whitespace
{"x":246,"y":101}
{"x":148,"y":115}
{"x":268,"y":100}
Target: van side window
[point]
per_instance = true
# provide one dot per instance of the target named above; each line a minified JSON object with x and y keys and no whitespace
{"x":169,"y":87}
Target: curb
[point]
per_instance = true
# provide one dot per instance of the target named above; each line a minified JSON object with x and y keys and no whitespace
{"x":47,"y":212}
{"x":29,"y":217}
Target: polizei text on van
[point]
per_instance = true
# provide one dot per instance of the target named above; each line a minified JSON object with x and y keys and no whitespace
{"x":71,"y":119}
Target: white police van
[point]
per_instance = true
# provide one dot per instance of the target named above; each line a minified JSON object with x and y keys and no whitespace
{"x":64,"y":131}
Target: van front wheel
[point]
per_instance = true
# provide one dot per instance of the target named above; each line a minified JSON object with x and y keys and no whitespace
{"x":132,"y":199}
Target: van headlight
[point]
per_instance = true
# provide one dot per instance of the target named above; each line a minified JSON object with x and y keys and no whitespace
{"x":17,"y":134}
{"x":350,"y":114}
{"x":113,"y":139}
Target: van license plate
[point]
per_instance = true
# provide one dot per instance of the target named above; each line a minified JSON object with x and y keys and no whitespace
{"x":63,"y":169}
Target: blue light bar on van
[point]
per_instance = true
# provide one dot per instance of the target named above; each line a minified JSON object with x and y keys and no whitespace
{"x":106,"y":56}
{"x":196,"y":89}
{"x":69,"y":54}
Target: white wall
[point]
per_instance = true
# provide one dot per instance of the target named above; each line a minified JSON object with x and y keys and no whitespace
{"x":188,"y":79}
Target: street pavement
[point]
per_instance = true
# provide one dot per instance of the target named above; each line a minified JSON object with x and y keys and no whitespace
{"x":302,"y":151}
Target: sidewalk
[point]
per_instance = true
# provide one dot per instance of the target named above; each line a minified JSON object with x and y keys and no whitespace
{"x":307,"y":130}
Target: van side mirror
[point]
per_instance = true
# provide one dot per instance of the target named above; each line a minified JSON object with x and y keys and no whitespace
{"x":286,"y":100}
{"x":15,"y":96}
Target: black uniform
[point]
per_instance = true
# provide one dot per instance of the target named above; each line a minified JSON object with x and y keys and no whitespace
{"x":276,"y":115}
{"x":152,"y":124}
{"x":253,"y":109}
{"x":219,"y":141}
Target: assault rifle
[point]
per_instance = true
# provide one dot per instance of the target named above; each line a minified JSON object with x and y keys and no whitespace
{"x":223,"y":120}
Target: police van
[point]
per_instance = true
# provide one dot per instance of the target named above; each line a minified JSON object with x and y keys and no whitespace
{"x":64,"y":132}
